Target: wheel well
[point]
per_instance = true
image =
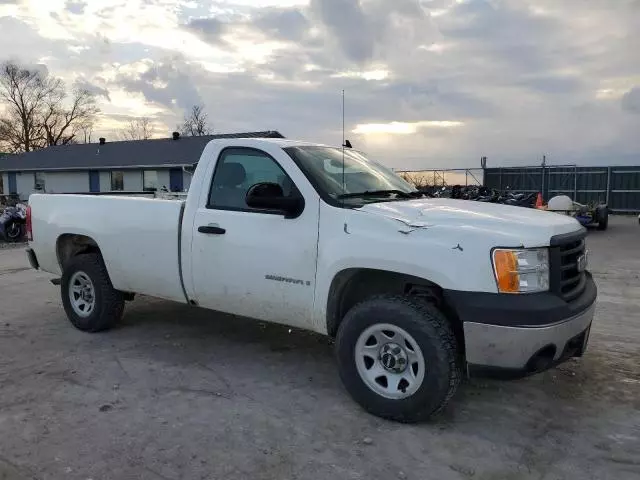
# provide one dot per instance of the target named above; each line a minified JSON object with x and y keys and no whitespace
{"x":354,"y":285}
{"x":69,"y":245}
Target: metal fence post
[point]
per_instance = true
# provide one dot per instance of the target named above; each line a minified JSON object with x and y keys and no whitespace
{"x":575,"y":184}
{"x":608,"y":184}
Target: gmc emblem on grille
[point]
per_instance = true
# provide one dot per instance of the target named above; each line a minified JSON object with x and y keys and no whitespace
{"x":581,"y":262}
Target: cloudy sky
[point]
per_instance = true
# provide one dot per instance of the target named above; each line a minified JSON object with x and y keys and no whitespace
{"x":428,"y":83}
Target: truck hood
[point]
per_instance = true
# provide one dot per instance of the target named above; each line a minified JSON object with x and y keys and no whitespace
{"x":526,"y":226}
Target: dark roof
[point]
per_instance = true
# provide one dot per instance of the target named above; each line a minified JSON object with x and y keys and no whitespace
{"x":132,"y":153}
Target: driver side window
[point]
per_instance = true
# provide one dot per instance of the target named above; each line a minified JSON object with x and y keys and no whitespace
{"x":237,"y":170}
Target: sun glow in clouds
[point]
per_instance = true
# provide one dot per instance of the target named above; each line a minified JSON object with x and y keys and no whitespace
{"x":366,"y":75}
{"x":403,"y":128}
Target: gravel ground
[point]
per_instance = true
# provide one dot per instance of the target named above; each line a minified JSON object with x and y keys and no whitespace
{"x":7,"y":246}
{"x":181,"y":393}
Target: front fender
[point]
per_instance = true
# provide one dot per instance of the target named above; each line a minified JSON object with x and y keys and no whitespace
{"x":451,"y":257}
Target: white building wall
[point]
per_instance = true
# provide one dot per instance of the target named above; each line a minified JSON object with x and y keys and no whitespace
{"x":133,"y":180}
{"x":25,"y":181}
{"x":66,"y":182}
{"x":105,"y":181}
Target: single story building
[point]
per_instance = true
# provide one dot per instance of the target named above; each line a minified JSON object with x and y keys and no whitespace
{"x":124,"y":166}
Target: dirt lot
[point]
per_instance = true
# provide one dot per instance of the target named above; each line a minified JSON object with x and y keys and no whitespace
{"x":181,"y":393}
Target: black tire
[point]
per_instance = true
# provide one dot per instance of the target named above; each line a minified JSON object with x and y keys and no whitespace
{"x":109,"y":302}
{"x":13,"y":231}
{"x":432,"y":332}
{"x":603,"y":218}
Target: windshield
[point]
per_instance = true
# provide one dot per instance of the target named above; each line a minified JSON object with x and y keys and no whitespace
{"x":361,"y":176}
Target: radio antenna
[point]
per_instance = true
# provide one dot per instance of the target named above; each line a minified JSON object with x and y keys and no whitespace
{"x":344,"y":187}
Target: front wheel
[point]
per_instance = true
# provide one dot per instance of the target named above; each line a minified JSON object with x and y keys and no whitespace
{"x":90,"y":301}
{"x":398,"y":357}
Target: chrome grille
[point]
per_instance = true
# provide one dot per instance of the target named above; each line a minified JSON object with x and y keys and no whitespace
{"x":567,"y":278}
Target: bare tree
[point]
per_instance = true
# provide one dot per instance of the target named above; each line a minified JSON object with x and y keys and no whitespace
{"x":37,"y":111}
{"x":196,"y":123}
{"x":12,"y":136}
{"x":63,"y":123}
{"x":137,"y":129}
{"x":25,"y":93}
{"x":86,"y":131}
{"x":417,"y":179}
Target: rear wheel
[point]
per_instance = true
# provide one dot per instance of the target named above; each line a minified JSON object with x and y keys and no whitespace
{"x":13,"y":231}
{"x":90,"y":301}
{"x":603,"y":218}
{"x":398,"y":357}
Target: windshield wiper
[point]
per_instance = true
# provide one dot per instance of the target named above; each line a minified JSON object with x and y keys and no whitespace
{"x":381,"y":193}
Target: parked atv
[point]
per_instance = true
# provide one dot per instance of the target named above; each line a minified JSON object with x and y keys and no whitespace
{"x":592,"y":214}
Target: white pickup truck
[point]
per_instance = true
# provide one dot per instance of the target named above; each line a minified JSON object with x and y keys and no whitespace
{"x":415,"y":290}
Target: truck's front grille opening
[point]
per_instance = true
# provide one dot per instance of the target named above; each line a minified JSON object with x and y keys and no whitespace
{"x":567,"y":280}
{"x":541,"y":360}
{"x":574,"y":346}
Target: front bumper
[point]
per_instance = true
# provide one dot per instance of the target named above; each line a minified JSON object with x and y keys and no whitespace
{"x":523,"y":344}
{"x":513,"y":351}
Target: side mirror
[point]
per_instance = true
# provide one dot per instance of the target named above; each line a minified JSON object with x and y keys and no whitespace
{"x":269,"y":196}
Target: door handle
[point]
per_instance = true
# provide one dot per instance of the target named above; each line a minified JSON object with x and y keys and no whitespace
{"x":212,"y":230}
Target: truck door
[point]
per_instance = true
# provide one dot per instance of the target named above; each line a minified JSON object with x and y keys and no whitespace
{"x":250,"y":262}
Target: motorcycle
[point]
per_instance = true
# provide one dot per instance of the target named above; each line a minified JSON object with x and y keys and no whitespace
{"x":520,"y":199}
{"x":13,"y":223}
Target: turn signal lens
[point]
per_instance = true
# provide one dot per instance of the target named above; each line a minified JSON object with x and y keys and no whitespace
{"x":505,"y":263}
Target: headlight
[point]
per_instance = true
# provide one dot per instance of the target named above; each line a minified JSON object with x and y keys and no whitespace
{"x":521,"y":270}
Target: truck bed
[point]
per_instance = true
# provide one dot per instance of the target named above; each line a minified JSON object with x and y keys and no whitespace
{"x":138,"y":237}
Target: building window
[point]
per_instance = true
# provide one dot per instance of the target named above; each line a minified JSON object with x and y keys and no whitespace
{"x":117,"y":181}
{"x":38,"y":181}
{"x":150,"y":180}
